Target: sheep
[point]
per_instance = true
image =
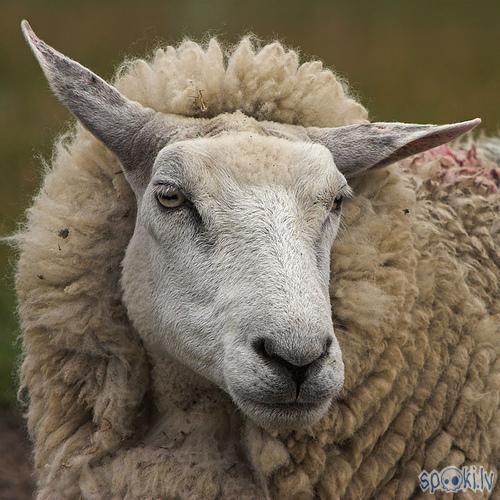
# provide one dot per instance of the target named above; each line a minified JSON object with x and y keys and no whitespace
{"x":194,"y":328}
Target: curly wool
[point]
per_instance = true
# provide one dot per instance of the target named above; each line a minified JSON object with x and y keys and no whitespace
{"x":414,"y":296}
{"x":268,"y":84}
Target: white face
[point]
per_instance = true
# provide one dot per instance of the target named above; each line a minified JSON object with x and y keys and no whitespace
{"x":234,"y":280}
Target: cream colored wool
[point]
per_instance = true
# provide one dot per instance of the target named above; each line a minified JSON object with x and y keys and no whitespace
{"x":415,"y":298}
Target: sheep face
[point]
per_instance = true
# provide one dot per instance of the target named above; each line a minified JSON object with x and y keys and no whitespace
{"x":228,"y":269}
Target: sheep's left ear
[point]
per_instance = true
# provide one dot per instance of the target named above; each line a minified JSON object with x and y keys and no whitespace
{"x":133,"y":132}
{"x":356,"y":148}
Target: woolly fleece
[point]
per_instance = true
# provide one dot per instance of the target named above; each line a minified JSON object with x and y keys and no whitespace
{"x":414,"y":286}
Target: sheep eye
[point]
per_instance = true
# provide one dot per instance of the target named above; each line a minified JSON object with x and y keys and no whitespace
{"x":337,"y":203}
{"x":170,"y":197}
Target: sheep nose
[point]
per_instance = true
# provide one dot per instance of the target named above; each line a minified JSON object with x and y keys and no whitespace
{"x":292,"y":361}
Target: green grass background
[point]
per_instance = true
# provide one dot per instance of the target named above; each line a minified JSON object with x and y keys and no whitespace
{"x":428,"y":61}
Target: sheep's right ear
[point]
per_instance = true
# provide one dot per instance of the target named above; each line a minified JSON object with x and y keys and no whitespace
{"x":356,"y":148}
{"x":134,"y":133}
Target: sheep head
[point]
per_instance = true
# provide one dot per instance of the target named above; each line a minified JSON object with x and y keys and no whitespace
{"x":228,"y":268}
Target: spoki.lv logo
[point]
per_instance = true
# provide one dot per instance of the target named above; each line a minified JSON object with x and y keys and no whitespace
{"x":453,"y":479}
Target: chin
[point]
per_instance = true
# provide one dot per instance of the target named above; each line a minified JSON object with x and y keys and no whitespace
{"x":280,"y":416}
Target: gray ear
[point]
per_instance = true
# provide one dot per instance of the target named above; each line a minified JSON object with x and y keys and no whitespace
{"x":134,"y":133}
{"x":356,"y":148}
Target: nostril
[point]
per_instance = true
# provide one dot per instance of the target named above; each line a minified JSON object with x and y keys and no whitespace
{"x":269,"y":351}
{"x":262,"y":348}
{"x":265,"y":349}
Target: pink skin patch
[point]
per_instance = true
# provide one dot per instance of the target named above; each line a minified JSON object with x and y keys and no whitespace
{"x":467,"y":165}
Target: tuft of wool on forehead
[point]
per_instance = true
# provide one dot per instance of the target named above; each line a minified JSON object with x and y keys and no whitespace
{"x":267,"y":83}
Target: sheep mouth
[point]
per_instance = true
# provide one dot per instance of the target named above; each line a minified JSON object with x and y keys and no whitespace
{"x":291,"y":414}
{"x":292,"y":405}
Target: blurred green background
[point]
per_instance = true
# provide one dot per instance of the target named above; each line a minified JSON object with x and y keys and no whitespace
{"x":426,"y":61}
